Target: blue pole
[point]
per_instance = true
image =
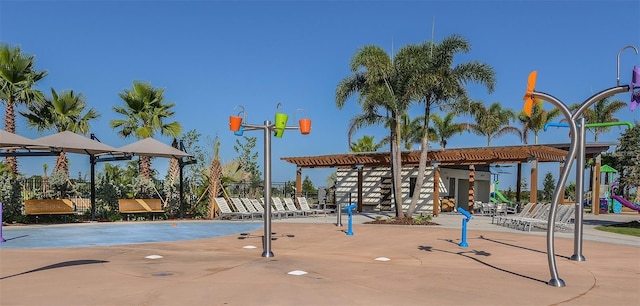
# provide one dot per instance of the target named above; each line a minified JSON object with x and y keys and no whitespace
{"x":349,"y":209}
{"x":463,"y":241}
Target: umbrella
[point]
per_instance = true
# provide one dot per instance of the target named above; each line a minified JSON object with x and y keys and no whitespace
{"x":75,"y":143}
{"x":11,"y":140}
{"x":152,"y":147}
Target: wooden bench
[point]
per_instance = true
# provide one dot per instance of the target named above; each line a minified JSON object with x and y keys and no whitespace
{"x":140,"y":206}
{"x":48,"y":207}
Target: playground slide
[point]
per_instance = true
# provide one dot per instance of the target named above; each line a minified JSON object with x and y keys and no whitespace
{"x":493,"y":200}
{"x":626,"y":203}
{"x":501,"y":197}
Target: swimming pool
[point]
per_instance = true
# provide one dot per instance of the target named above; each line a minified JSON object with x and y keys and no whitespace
{"x":102,"y":234}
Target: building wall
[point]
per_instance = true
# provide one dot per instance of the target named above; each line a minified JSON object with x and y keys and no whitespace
{"x":347,"y":186}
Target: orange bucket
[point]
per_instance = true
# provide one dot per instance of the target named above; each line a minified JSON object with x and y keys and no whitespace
{"x":305,"y":126}
{"x":234,"y":123}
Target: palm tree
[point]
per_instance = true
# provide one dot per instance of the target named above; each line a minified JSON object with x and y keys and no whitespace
{"x":603,"y":111}
{"x":435,"y":81}
{"x":18,"y":76}
{"x":536,"y":122}
{"x":63,"y":112}
{"x":410,"y":132}
{"x":492,"y":122}
{"x":380,"y":86}
{"x":365,"y":144}
{"x":445,"y":128}
{"x":146,"y":113}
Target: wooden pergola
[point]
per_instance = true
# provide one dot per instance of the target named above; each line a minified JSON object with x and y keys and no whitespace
{"x":448,"y":157}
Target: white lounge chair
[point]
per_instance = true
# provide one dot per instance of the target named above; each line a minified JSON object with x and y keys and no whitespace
{"x":225,"y":210}
{"x":288,"y":203}
{"x":280,"y":208}
{"x":304,"y":205}
{"x":237,"y":203}
{"x":260,"y":208}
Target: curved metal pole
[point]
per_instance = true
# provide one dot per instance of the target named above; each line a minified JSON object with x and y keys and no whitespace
{"x":580,"y":161}
{"x":556,"y":281}
{"x":578,"y":214}
{"x":597,"y":97}
{"x":620,"y":52}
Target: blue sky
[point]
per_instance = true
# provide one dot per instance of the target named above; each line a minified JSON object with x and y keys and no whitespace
{"x":212,"y":55}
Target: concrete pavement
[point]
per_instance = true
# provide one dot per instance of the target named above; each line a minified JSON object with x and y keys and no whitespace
{"x":426,"y":267}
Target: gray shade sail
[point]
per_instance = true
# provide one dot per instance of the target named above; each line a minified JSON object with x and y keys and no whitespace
{"x":154,"y":148}
{"x":11,"y":140}
{"x":75,"y":143}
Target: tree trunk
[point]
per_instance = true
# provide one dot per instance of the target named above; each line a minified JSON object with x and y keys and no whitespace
{"x":424,"y":153}
{"x":215,"y":176}
{"x":398,"y":198}
{"x":145,"y":166}
{"x":10,"y":126}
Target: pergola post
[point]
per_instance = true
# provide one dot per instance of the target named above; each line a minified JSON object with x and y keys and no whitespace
{"x":436,"y":191}
{"x":472,"y":179}
{"x":298,"y":182}
{"x":533,"y":182}
{"x":519,"y":182}
{"x":595,"y":195}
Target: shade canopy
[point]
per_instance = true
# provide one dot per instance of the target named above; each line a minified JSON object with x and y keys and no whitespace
{"x":75,"y":143}
{"x":11,"y":140}
{"x":153,"y":148}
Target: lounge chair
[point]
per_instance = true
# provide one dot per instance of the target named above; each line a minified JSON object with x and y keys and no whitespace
{"x":225,"y":210}
{"x":288,"y":203}
{"x":280,"y":208}
{"x":304,"y":205}
{"x":260,"y":209}
{"x":252,"y":209}
{"x":237,"y":203}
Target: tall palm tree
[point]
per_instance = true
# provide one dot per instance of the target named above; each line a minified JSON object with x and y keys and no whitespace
{"x":445,"y":128}
{"x":18,"y":77}
{"x":536,"y":122}
{"x":365,"y":144}
{"x":492,"y":122}
{"x":63,"y":112}
{"x":602,"y":111}
{"x":145,"y":113}
{"x":381,"y":89}
{"x":435,"y":81}
{"x":410,"y":132}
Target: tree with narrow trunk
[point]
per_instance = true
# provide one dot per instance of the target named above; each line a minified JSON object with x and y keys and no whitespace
{"x":603,"y":111}
{"x":535,"y":122}
{"x":444,"y":127}
{"x":379,"y":82}
{"x":18,"y":77}
{"x":435,"y":82}
{"x":365,"y":144}
{"x":145,"y":113}
{"x":492,"y":122}
{"x":65,"y":111}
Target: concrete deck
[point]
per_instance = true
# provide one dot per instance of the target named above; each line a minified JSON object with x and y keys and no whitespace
{"x":426,"y":267}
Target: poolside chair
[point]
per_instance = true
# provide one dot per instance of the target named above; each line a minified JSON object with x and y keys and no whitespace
{"x":304,"y":205}
{"x":237,"y":203}
{"x":260,"y":208}
{"x":288,"y":203}
{"x":501,"y":219}
{"x":252,"y":209}
{"x":225,"y":210}
{"x":564,"y":215}
{"x":280,"y":208}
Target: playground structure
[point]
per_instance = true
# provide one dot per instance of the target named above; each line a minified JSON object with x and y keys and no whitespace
{"x":576,"y":151}
{"x":237,"y":125}
{"x":496,"y":196}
